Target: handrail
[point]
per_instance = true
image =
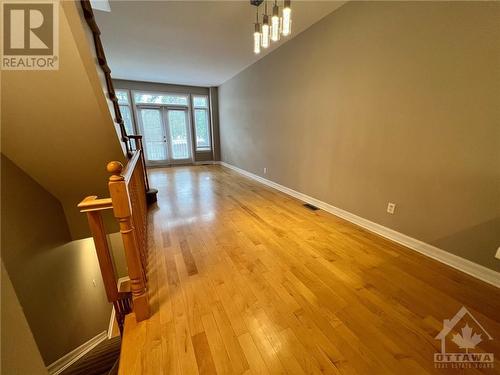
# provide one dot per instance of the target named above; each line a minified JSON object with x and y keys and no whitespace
{"x":88,"y":14}
{"x":92,"y":203}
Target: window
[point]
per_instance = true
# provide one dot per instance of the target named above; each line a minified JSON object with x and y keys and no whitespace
{"x":169,"y":99}
{"x":173,"y":124}
{"x":178,"y":132}
{"x":124,"y":104}
{"x":200,"y":101}
{"x":201,"y":123}
{"x":122,"y":97}
{"x":127,"y":119}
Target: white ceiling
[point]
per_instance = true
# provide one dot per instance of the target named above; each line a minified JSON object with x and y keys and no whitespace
{"x":200,"y":43}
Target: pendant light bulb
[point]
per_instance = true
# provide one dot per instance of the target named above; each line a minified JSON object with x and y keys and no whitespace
{"x":287,"y":18}
{"x":275,"y":23}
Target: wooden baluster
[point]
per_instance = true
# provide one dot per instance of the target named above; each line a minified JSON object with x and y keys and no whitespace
{"x":123,"y":212}
{"x":138,"y":215}
{"x":141,"y":201}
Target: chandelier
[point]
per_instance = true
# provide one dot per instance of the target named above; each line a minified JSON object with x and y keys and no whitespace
{"x":272,"y":28}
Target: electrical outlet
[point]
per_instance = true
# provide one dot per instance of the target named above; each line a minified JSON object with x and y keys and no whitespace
{"x":497,"y":255}
{"x":391,"y":207}
{"x":265,"y":170}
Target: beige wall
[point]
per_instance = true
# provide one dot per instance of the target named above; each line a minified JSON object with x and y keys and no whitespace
{"x":383,"y":102}
{"x":56,"y":124}
{"x":115,"y":243}
{"x":20,"y":355}
{"x":53,"y":278}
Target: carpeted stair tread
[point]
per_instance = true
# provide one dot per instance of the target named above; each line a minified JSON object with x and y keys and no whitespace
{"x":99,"y":361}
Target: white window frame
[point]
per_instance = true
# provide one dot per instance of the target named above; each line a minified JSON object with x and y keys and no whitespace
{"x":164,"y":108}
{"x":137,"y":124}
{"x":209,"y":129}
{"x":130,"y":107}
{"x":160,"y":93}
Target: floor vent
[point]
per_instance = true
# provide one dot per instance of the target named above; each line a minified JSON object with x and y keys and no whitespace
{"x":311,"y":207}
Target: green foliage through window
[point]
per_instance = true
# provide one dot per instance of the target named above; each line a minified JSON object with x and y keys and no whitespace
{"x":201,"y":128}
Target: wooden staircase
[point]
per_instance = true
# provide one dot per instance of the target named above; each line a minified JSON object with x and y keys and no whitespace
{"x":102,"y":360}
{"x":130,"y":195}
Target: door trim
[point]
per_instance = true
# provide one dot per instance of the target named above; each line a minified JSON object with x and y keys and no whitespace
{"x":154,"y":163}
{"x":170,"y":153}
{"x":169,"y":161}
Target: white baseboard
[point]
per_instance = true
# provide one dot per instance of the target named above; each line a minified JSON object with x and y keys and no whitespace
{"x":208,"y":162}
{"x":67,"y":360}
{"x":480,"y":272}
{"x":112,"y":320}
{"x":111,"y":323}
{"x":64,"y":362}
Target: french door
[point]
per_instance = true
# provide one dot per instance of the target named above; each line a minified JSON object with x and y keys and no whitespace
{"x":166,"y":135}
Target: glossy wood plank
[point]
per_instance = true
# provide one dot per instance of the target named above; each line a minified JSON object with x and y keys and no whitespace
{"x":244,"y":280}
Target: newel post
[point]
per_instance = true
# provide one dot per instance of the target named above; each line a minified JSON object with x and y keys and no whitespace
{"x":123,"y":213}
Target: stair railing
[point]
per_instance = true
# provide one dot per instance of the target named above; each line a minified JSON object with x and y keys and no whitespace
{"x":127,"y":187}
{"x":128,"y":194}
{"x":131,"y":142}
{"x":122,"y":301}
{"x":88,"y":14}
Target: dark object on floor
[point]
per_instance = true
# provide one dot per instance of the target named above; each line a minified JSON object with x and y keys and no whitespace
{"x":311,"y":207}
{"x":151,"y":196}
{"x":102,"y":360}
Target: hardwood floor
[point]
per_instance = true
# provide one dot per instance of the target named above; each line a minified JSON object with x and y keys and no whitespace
{"x":244,"y":279}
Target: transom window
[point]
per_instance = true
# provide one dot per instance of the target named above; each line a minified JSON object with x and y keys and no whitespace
{"x":200,"y":101}
{"x":166,"y":99}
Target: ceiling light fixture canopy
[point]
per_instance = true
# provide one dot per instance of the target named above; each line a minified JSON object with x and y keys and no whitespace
{"x":271,"y":31}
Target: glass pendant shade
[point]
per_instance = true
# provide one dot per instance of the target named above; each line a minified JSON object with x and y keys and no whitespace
{"x":275,"y":24}
{"x":256,"y":38}
{"x":265,"y":32}
{"x":287,"y":18}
